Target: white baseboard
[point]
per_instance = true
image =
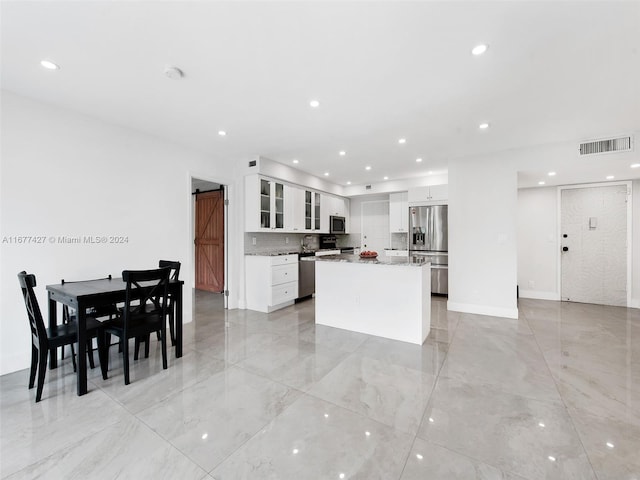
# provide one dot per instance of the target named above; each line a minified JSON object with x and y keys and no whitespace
{"x":635,"y":303}
{"x":482,"y":309}
{"x":539,"y":295}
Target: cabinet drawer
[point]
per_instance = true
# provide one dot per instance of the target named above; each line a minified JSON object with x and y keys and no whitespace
{"x":284,"y":259}
{"x":284,"y":273}
{"x":284,"y":293}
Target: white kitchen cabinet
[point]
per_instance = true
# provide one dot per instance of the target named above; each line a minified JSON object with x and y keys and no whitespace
{"x":431,"y":195}
{"x":312,"y":211}
{"x":294,"y":209}
{"x":271,"y":281}
{"x":264,"y":204}
{"x":399,"y":212}
{"x":336,"y":206}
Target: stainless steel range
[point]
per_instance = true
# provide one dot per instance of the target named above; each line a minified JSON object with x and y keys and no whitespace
{"x":429,"y":236}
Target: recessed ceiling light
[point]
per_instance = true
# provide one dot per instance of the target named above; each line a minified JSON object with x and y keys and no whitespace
{"x":386,"y":178}
{"x":402,"y":141}
{"x":295,"y":160}
{"x":326,"y":174}
{"x":541,"y":183}
{"x":342,"y":153}
{"x":610,"y":445}
{"x":419,"y":456}
{"x":368,"y":167}
{"x":483,"y":126}
{"x":479,"y":49}
{"x":314,"y":103}
{"x":551,"y":458}
{"x":418,"y":160}
{"x":635,"y":165}
{"x":610,"y":177}
{"x":552,"y":174}
{"x":349,"y":182}
{"x":49,"y":65}
{"x":222,"y":133}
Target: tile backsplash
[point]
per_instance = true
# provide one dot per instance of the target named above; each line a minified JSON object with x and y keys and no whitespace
{"x":267,"y":242}
{"x":399,"y":241}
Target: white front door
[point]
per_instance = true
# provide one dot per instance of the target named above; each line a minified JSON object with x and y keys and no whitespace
{"x":375,"y":226}
{"x":594,"y":245}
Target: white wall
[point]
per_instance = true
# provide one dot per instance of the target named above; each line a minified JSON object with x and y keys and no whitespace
{"x":482,"y":236}
{"x":538,"y":243}
{"x":355,"y":210}
{"x":68,"y":174}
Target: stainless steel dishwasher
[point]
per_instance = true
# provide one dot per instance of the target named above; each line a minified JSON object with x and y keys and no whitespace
{"x":306,"y":275}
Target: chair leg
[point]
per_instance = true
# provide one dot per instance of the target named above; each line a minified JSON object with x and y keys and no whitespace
{"x":73,"y":358}
{"x":147,"y":341}
{"x":163,"y":342}
{"x":42,"y":370}
{"x":103,"y":353}
{"x":34,"y":366}
{"x":125,"y":353}
{"x":172,"y":327}
{"x":136,"y":349}
{"x":90,"y":353}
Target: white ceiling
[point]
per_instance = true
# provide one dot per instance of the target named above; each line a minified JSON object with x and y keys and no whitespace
{"x":554,"y":71}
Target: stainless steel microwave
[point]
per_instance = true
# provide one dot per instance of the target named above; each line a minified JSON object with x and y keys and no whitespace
{"x":337,"y":224}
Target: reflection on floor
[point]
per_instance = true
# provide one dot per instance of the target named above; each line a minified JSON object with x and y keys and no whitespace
{"x":552,"y":395}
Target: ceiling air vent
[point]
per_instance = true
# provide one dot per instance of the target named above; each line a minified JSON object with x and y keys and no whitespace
{"x":253,"y":163}
{"x":367,"y":187}
{"x":622,"y":144}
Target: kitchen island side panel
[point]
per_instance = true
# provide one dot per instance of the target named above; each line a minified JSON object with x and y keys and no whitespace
{"x":390,"y":301}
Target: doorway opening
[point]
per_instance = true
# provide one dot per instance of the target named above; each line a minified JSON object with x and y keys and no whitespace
{"x":209,"y":209}
{"x":595,"y":237}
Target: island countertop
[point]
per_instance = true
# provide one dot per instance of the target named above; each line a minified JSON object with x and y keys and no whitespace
{"x":417,"y":261}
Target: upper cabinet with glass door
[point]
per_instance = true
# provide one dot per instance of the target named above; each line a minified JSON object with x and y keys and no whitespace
{"x":265,"y":203}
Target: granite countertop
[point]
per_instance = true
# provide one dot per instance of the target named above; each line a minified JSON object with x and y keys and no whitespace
{"x":291,"y":252}
{"x":380,"y":260}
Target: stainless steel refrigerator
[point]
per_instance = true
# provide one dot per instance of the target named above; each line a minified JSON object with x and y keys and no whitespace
{"x":429,"y":236}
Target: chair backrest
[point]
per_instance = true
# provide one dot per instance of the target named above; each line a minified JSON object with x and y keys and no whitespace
{"x":174,"y":266}
{"x":146,"y":286}
{"x":38,"y":330}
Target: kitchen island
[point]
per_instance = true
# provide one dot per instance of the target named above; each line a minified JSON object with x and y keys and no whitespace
{"x":388,"y":296}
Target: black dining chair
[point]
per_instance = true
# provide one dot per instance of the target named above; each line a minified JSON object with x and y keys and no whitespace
{"x":174,"y":276}
{"x":68,"y":316}
{"x":44,"y":340}
{"x":144,"y":312}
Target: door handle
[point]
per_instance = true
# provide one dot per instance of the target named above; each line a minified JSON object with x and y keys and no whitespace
{"x":565,"y":249}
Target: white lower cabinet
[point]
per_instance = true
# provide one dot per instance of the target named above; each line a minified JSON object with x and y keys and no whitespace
{"x":272,"y":281}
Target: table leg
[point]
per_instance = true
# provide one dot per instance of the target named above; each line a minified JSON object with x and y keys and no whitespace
{"x":179,"y":322}
{"x":53,"y":321}
{"x":81,"y":314}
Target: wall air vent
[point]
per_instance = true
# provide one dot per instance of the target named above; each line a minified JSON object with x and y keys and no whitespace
{"x":367,"y":187}
{"x":621,"y":144}
{"x":253,"y":163}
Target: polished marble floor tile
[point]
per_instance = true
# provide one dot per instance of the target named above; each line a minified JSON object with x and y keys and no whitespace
{"x":211,"y":419}
{"x":509,"y":362}
{"x":484,"y":398}
{"x":433,"y":462}
{"x":612,"y":446}
{"x":316,"y":439}
{"x":127,"y":449}
{"x":532,"y":438}
{"x":31,"y":432}
{"x":295,"y":363}
{"x":390,"y":394}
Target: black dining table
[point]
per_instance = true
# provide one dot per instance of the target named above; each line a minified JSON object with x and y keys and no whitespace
{"x":99,"y":293}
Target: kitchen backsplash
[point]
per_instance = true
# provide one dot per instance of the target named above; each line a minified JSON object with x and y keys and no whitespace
{"x":267,"y":242}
